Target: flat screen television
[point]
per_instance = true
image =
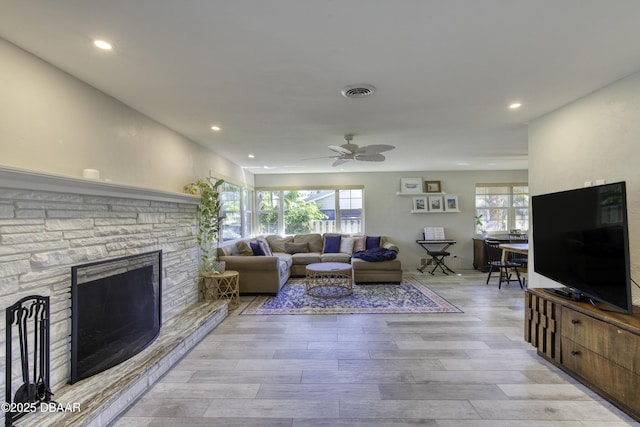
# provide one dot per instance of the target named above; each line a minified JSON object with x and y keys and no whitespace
{"x":580,"y":240}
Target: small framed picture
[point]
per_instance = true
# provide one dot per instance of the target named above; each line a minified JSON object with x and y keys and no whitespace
{"x":411,"y":185}
{"x":432,"y":187}
{"x":420,"y":204}
{"x":451,"y":203}
{"x":436,"y":204}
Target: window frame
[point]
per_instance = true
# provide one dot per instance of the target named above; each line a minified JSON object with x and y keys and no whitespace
{"x":281,"y":206}
{"x":511,"y":208}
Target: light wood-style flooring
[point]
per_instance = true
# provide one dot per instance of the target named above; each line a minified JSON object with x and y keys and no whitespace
{"x":470,"y":369}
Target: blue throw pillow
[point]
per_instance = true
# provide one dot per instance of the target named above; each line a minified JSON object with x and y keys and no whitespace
{"x":331,"y":244}
{"x":257,"y":250}
{"x":372,"y":242}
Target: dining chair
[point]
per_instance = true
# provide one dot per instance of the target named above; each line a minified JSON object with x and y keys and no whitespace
{"x":495,"y":262}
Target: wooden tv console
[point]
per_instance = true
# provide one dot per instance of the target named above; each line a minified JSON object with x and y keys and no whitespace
{"x":599,"y":348}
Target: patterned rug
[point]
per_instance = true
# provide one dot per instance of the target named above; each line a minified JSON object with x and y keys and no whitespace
{"x":410,"y":296}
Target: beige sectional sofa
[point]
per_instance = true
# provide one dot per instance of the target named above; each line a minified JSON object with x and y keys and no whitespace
{"x":291,"y":254}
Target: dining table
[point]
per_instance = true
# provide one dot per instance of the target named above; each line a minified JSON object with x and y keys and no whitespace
{"x":516,"y":248}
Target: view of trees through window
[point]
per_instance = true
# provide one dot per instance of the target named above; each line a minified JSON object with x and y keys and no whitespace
{"x":231,"y":210}
{"x":309,"y":211}
{"x":502,"y":207}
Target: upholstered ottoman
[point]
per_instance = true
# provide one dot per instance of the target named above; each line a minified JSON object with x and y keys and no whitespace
{"x":376,"y":272}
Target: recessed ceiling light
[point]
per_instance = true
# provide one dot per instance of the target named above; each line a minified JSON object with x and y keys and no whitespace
{"x":215,"y":128}
{"x":103,"y":44}
{"x":251,"y":156}
{"x":515,"y":105}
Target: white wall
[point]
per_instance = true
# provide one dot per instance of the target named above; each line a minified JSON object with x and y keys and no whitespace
{"x":595,"y":137}
{"x":388,"y":214}
{"x":52,"y":122}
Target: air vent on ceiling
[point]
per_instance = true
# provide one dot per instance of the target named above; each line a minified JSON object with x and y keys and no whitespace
{"x":358,"y":91}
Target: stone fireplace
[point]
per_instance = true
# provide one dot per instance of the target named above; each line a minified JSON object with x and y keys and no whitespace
{"x":115,"y":311}
{"x":49,"y":224}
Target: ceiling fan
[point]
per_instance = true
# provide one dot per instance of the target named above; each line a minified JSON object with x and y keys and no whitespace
{"x":351,"y":151}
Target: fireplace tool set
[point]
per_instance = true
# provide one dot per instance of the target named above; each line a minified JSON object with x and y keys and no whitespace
{"x":29,"y":311}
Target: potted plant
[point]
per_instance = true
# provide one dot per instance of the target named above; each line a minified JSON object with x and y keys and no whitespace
{"x":479,"y":225}
{"x":209,"y":223}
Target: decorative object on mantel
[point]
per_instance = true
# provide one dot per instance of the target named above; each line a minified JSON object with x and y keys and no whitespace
{"x":411,"y":185}
{"x":432,"y":187}
{"x":209,"y":223}
{"x":91,"y":173}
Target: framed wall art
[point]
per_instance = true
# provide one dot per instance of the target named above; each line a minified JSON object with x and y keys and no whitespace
{"x":420,"y":204}
{"x":451,"y":204}
{"x":432,"y":187}
{"x":436,"y":204}
{"x":411,"y":185}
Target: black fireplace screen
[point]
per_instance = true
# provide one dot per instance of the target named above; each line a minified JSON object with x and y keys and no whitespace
{"x":116,"y":311}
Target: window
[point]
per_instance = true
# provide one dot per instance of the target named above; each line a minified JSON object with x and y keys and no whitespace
{"x":502,"y":207}
{"x":310,"y":211}
{"x":236,"y":211}
{"x":268,"y":205}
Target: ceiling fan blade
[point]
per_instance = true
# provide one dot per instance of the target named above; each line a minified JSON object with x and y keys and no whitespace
{"x":340,"y":162}
{"x":373,"y":157}
{"x":374,"y":149}
{"x":338,"y":149}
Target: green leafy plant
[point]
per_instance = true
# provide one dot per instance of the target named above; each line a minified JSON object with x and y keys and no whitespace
{"x":479,"y":223}
{"x":209,"y":219}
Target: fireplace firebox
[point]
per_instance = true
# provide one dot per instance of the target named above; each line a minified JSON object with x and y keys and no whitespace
{"x":116,"y":311}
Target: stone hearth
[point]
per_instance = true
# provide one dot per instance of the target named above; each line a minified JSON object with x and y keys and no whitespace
{"x":104,"y":396}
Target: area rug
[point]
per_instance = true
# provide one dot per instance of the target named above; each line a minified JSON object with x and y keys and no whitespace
{"x":410,"y":296}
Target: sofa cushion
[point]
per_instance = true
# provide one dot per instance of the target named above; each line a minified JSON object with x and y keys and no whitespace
{"x":362,"y":265}
{"x":335,"y":257}
{"x":244,"y":248}
{"x":296,"y":248}
{"x":305,"y":258}
{"x":264,"y":245}
{"x":346,"y":245}
{"x":331,"y":244}
{"x":314,"y":241}
{"x":276,"y":243}
{"x":256,"y":249}
{"x":359,"y":243}
{"x":372,"y":242}
{"x":285,"y":259}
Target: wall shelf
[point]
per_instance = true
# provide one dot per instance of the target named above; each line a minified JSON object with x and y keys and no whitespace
{"x":420,"y":194}
{"x":433,"y":212}
{"x":451,"y":200}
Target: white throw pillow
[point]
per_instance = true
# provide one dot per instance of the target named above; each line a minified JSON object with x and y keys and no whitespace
{"x":346,"y":245}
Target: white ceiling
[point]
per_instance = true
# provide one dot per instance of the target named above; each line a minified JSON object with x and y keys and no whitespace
{"x":270,"y":72}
